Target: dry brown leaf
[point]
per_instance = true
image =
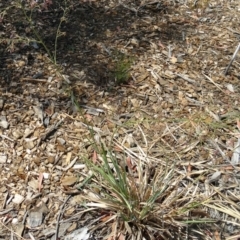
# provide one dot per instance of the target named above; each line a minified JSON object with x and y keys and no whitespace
{"x":18,"y":199}
{"x":34,"y":184}
{"x":68,"y":158}
{"x":18,"y":228}
{"x":50,"y":109}
{"x":69,"y":180}
{"x":72,"y":227}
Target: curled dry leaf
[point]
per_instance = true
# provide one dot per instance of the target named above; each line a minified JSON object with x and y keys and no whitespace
{"x":230,"y":88}
{"x":3,"y":122}
{"x":80,"y":234}
{"x":35,"y":219}
{"x":3,"y":158}
{"x":18,"y":199}
{"x":215,"y":177}
{"x":39,"y":112}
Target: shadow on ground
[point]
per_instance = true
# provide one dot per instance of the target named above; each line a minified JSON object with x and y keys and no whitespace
{"x":93,"y":37}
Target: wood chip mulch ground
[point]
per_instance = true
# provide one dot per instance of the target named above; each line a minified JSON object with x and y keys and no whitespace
{"x":174,"y":101}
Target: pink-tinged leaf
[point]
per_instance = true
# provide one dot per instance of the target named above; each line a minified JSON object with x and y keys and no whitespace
{"x":105,"y":218}
{"x":94,"y":157}
{"x":238,"y":124}
{"x":189,"y":168}
{"x":161,"y":45}
{"x":117,"y":148}
{"x":40,"y":180}
{"x":217,"y":235}
{"x":88,"y":117}
{"x":129,"y":163}
{"x":121,"y":237}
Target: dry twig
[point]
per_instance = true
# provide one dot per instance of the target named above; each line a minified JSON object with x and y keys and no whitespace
{"x":20,"y":237}
{"x":232,"y":59}
{"x":59,"y":216}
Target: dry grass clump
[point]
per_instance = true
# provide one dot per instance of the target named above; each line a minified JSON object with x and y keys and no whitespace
{"x":143,"y":201}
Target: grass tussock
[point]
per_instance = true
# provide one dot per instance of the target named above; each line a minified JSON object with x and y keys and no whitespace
{"x":143,"y":201}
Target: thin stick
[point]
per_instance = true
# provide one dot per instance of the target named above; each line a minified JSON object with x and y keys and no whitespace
{"x":34,"y":80}
{"x":186,"y":78}
{"x":20,"y":237}
{"x":6,"y":137}
{"x":69,"y":166}
{"x":5,"y":201}
{"x":59,"y":216}
{"x":144,"y":137}
{"x":232,"y":59}
{"x":3,"y":212}
{"x":217,"y":85}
